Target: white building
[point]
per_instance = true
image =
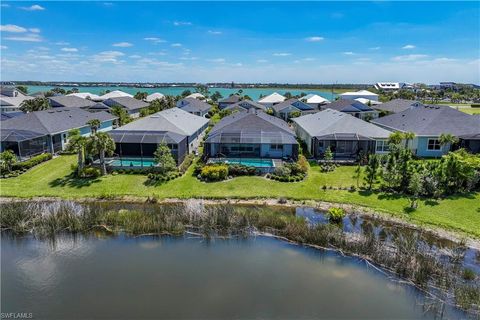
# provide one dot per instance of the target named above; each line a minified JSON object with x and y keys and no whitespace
{"x":314,"y":99}
{"x":86,"y":95}
{"x":115,"y":94}
{"x":359,"y":94}
{"x":155,"y":96}
{"x":272,"y":99}
{"x":11,"y":99}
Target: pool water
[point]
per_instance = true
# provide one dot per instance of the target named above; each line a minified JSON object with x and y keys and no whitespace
{"x":133,"y":162}
{"x":251,"y":162}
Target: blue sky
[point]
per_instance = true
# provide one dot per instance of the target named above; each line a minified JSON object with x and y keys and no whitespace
{"x":294,"y":42}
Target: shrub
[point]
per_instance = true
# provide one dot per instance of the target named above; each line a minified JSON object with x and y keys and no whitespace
{"x":27,"y":164}
{"x":303,"y":163}
{"x":468,"y":274}
{"x":236,"y":170}
{"x":282,"y":171}
{"x":90,"y":172}
{"x":186,"y":163}
{"x":335,"y":214}
{"x":214,"y":172}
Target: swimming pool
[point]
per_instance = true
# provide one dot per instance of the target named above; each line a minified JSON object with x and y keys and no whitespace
{"x":132,"y":162}
{"x":251,"y":162}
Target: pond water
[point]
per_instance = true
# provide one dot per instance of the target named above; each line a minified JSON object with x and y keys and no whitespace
{"x":126,"y":277}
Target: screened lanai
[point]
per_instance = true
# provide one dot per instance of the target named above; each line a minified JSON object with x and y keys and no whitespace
{"x":343,"y":145}
{"x":24,"y":143}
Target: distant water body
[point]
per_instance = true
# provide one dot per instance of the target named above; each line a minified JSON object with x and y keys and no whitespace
{"x":253,"y":93}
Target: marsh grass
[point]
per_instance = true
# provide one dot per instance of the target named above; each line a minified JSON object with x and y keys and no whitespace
{"x":406,"y":254}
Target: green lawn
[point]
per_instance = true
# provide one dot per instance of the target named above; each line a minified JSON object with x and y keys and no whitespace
{"x":52,"y":179}
{"x":470,"y":110}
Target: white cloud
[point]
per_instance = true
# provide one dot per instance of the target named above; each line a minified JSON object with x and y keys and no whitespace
{"x":214,"y":32}
{"x":108,"y":56}
{"x":348,"y":53}
{"x":409,"y":57}
{"x":176,"y":44}
{"x":217,"y":60}
{"x":444,"y":59}
{"x":262,"y":60}
{"x":282,"y":54}
{"x":34,"y":7}
{"x":69,"y":49}
{"x":29,"y":37}
{"x":3,"y":47}
{"x":12,"y":28}
{"x":122,"y":44}
{"x":34,"y":30}
{"x":154,"y":39}
{"x":188,"y":58}
{"x":5,"y":5}
{"x":181,"y":23}
{"x":374,"y":48}
{"x":61,"y":43}
{"x":408,"y":47}
{"x":314,"y":39}
{"x":135,"y":56}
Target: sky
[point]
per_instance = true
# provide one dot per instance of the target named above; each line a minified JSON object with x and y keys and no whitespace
{"x":281,"y":42}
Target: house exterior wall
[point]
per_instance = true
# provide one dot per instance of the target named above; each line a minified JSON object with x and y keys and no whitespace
{"x":421,"y":147}
{"x":303,"y":135}
{"x":262,"y":150}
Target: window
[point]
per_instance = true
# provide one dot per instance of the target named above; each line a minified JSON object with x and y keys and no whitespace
{"x":433,"y":145}
{"x":381,"y":146}
{"x":277,"y":147}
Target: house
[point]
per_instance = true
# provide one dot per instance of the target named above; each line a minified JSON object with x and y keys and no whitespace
{"x":397,"y":105}
{"x":286,"y":109}
{"x":47,"y":131}
{"x":9,"y":115}
{"x":252,"y":134}
{"x":196,"y":95}
{"x":11,"y":99}
{"x":194,"y":106}
{"x":359,"y":94}
{"x":70,"y":102}
{"x":471,"y":142}
{"x":271,"y":99}
{"x":355,"y":108}
{"x":131,"y":105}
{"x":232,"y":99}
{"x":368,"y":102}
{"x":428,"y":123}
{"x":314,"y":100}
{"x":389,"y":86}
{"x":345,"y":135}
{"x":154,"y":96}
{"x":115,"y":94}
{"x":85,"y":95}
{"x":245,"y":105}
{"x":180,"y":130}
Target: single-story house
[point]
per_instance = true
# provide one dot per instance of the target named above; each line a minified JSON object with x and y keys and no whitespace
{"x":314,"y":100}
{"x":245,"y":105}
{"x":368,"y":102}
{"x":428,"y":123}
{"x":252,"y":134}
{"x":194,"y":106}
{"x":154,"y":96}
{"x":397,"y":105}
{"x":180,"y":130}
{"x":353,"y":107}
{"x":9,"y":115}
{"x":70,"y":102}
{"x":345,"y":135}
{"x":285,"y":109}
{"x":85,"y":95}
{"x":196,"y":95}
{"x":132,"y":105}
{"x":389,"y":86}
{"x":232,"y":99}
{"x":471,"y":142}
{"x":359,"y":94}
{"x":271,"y":100}
{"x":115,"y":94}
{"x":47,"y":131}
{"x":11,"y":99}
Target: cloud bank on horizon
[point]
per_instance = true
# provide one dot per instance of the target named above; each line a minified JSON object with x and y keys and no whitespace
{"x":285,"y":42}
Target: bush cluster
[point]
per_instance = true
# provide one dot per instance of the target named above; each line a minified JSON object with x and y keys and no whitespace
{"x":214,"y":172}
{"x":236,"y":170}
{"x":186,"y":163}
{"x":335,"y":214}
{"x":158,"y":177}
{"x":90,"y":172}
{"x":27,"y":164}
{"x":291,"y":172}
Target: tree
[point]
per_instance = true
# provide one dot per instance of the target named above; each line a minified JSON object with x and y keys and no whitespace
{"x":7,"y":159}
{"x":415,"y":187}
{"x":288,"y":95}
{"x":94,"y":125}
{"x":58,"y":90}
{"x":121,"y":114}
{"x":36,"y":104}
{"x":22,"y":89}
{"x":101,"y":144}
{"x":216,"y":96}
{"x":164,"y":159}
{"x":447,"y":139}
{"x":372,"y":170}
{"x":140,"y":95}
{"x":186,"y":93}
{"x":395,"y":138}
{"x":77,"y":143}
{"x":407,"y":136}
{"x":328,"y":164}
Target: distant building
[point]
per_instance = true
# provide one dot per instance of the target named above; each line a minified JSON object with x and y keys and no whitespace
{"x":131,"y":105}
{"x":234,"y":98}
{"x":286,"y":109}
{"x":196,"y":95}
{"x":354,"y":108}
{"x":115,"y":94}
{"x":194,"y":106}
{"x":245,"y":105}
{"x":272,"y":100}
{"x":359,"y":94}
{"x":11,"y":99}
{"x":86,"y":95}
{"x":154,"y":96}
{"x":397,"y":105}
{"x":389,"y":86}
{"x":70,"y":102}
{"x":314,"y":100}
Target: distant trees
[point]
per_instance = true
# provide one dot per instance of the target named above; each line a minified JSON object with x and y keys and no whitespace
{"x":36,"y":104}
{"x":158,"y":105}
{"x":216,"y":96}
{"x":140,"y":95}
{"x":22,"y":89}
{"x":186,"y":93}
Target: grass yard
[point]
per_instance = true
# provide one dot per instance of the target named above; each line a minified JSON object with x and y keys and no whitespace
{"x":470,"y":110}
{"x":52,"y":179}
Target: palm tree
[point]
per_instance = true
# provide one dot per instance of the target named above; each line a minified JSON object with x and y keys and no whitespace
{"x":447,"y":139}
{"x":101,"y":144}
{"x":77,"y":143}
{"x":395,"y":138}
{"x":408,"y":136}
{"x":94,"y":125}
{"x":121,"y":114}
{"x":36,"y":104}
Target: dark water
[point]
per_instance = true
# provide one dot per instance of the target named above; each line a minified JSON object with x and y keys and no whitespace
{"x":131,"y":278}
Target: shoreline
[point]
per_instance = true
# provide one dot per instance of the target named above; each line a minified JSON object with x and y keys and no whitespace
{"x":449,"y":235}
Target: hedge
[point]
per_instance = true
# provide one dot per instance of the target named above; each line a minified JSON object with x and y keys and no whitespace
{"x":27,"y":164}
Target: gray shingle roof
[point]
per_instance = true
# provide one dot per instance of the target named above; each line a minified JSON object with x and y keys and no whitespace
{"x":173,"y":120}
{"x":251,"y":127}
{"x":41,"y":123}
{"x":431,"y":121}
{"x":231,"y":99}
{"x":247,"y":104}
{"x":193,"y":105}
{"x":128,"y":103}
{"x":397,"y":105}
{"x":300,"y":105}
{"x":153,"y":137}
{"x":346,"y":105}
{"x":70,"y":102}
{"x":335,"y":124}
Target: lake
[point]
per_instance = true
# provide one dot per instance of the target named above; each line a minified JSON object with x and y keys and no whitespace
{"x":254,"y":93}
{"x":126,"y":277}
